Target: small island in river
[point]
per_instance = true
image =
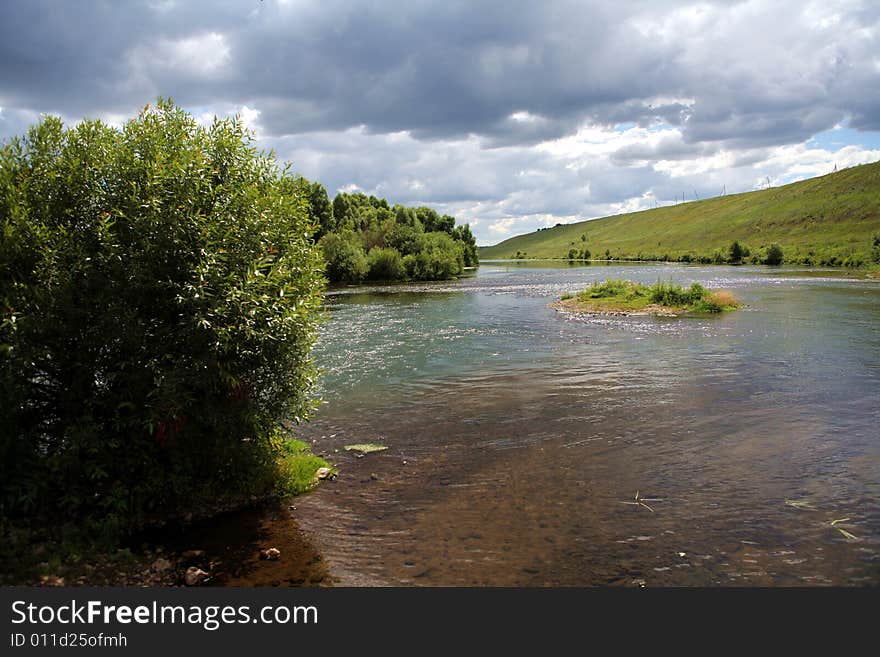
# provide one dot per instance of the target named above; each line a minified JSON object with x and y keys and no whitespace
{"x":617,"y":297}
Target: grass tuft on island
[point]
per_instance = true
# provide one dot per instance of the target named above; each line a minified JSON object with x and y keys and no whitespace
{"x":617,"y":297}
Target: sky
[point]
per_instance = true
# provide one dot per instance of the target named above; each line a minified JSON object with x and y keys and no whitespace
{"x":509,"y":115}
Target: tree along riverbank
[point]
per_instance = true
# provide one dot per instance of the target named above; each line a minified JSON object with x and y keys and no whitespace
{"x":160,"y":290}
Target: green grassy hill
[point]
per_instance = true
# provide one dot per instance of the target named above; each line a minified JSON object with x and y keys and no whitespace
{"x":828,"y":220}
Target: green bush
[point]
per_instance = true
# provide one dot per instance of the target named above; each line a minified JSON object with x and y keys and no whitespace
{"x":385,"y":264}
{"x":344,"y":257}
{"x":615,"y":288}
{"x":159,"y":293}
{"x":440,"y":258}
{"x":736,"y":253}
{"x":405,"y":239}
{"x":669,"y":294}
{"x":774,"y":255}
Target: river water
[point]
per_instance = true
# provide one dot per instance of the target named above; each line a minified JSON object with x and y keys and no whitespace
{"x":519,"y":437}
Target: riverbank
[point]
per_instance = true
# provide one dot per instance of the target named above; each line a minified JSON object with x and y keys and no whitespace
{"x":158,"y":554}
{"x":574,"y":305}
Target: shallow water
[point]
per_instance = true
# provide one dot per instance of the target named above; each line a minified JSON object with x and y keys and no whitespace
{"x":518,"y":435}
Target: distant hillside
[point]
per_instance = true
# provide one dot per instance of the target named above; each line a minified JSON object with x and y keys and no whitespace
{"x":828,"y":220}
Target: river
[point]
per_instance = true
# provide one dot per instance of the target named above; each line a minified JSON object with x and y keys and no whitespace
{"x":519,"y":438}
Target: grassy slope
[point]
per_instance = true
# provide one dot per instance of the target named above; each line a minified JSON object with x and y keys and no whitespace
{"x":832,"y":215}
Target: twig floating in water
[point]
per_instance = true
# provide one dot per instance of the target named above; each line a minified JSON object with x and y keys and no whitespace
{"x":800,"y":504}
{"x":846,"y":534}
{"x":640,"y":501}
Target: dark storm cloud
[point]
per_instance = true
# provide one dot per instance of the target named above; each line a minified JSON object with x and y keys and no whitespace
{"x":669,"y":148}
{"x":450,"y":69}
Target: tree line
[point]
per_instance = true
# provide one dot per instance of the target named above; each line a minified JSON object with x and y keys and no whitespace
{"x":363,"y":237}
{"x":736,"y":254}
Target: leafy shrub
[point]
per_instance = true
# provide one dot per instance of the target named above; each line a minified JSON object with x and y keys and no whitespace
{"x":736,"y":253}
{"x":344,"y":257}
{"x":774,"y":255}
{"x":385,"y":264}
{"x":406,"y":239}
{"x":669,"y":294}
{"x":613,"y":288}
{"x":440,"y":258}
{"x":715,"y":302}
{"x":159,"y":293}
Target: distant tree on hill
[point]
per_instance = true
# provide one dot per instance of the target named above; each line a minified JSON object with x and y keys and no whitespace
{"x":736,"y":253}
{"x":774,"y":255}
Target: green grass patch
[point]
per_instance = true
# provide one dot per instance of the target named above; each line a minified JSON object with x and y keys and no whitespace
{"x":297,"y":466}
{"x":630,"y":297}
{"x":80,"y":549}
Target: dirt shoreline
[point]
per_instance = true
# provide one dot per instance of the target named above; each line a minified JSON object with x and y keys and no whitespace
{"x":575,"y":306}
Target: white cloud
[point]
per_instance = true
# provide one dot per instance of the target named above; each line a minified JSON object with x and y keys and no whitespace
{"x":502,"y":227}
{"x":198,"y":56}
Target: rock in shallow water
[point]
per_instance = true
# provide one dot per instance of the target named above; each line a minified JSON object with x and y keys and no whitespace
{"x":194,"y":576}
{"x":272,"y":554}
{"x":161,"y":565}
